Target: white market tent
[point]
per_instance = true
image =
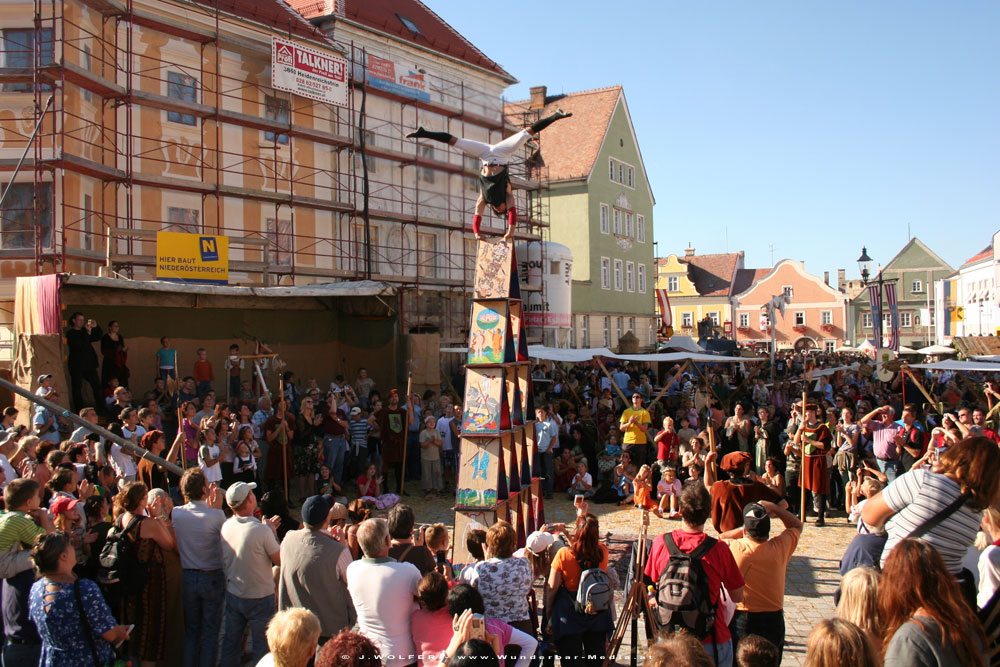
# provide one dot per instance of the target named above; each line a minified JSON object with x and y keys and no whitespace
{"x":847,"y":348}
{"x":682,"y":344}
{"x":574,"y":356}
{"x":831,"y":371}
{"x":936,"y":350}
{"x":986,"y":357}
{"x":907,"y":350}
{"x":960,"y":366}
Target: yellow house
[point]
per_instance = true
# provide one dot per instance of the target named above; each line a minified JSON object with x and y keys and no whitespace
{"x":699,"y":287}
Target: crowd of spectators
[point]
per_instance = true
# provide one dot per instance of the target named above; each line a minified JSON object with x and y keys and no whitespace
{"x":223,"y":566}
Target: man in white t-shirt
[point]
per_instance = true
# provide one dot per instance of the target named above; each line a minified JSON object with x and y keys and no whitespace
{"x":383,"y":590}
{"x":249,"y":549}
{"x":443,"y":427}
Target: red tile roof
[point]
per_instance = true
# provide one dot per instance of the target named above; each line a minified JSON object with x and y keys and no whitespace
{"x":570,"y":146}
{"x":980,"y":256}
{"x":712,"y":275}
{"x":381,"y":15}
{"x":275,"y":13}
{"x":747,"y":277}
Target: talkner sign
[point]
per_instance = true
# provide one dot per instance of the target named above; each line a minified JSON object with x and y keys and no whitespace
{"x":308,"y":72}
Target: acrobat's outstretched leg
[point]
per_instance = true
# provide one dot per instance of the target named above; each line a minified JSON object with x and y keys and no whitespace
{"x":543,"y":123}
{"x":443,"y":137}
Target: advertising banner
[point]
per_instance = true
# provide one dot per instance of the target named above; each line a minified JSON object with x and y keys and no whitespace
{"x":392,"y":78}
{"x":308,"y":72}
{"x":192,"y":258}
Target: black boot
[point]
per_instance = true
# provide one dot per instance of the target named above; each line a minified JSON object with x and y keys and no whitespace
{"x":421,"y":133}
{"x":821,"y":510}
{"x":543,"y":123}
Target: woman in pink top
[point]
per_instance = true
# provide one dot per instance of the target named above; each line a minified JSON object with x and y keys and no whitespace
{"x":431,"y":625}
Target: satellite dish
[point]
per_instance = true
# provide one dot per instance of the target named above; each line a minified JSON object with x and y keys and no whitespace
{"x":882,"y":357}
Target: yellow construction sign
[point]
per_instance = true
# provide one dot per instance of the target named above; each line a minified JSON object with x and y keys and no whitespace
{"x":192,"y":258}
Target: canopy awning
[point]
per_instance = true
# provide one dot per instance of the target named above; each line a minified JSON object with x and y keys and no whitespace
{"x":960,"y":366}
{"x":344,"y":288}
{"x":937,"y":350}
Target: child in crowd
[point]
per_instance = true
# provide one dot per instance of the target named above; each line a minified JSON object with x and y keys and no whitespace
{"x":583,"y":482}
{"x":430,"y":457}
{"x":607,"y":461}
{"x":210,"y":454}
{"x":437,"y":541}
{"x":234,"y":367}
{"x":245,"y":464}
{"x":643,"y":497}
{"x":669,"y":490}
{"x":109,"y":391}
{"x":246,"y":394}
{"x":204,"y":376}
{"x":166,"y":360}
{"x":370,"y":488}
{"x":667,"y":445}
{"x":45,"y":388}
{"x":23,"y":521}
{"x":624,"y":483}
{"x":695,"y":471}
{"x":565,"y":470}
{"x":325,"y":483}
{"x":867,"y":487}
{"x":358,"y":429}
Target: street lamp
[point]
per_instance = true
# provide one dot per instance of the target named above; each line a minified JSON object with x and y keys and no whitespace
{"x":865,"y":264}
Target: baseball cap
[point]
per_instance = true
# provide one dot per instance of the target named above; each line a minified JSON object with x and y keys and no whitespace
{"x":355,"y":411}
{"x":44,"y":376}
{"x":756,"y":522}
{"x":539,"y":541}
{"x":315,"y":510}
{"x":63,"y":504}
{"x":238,"y":492}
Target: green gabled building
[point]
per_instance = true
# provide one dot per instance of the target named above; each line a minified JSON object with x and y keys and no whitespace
{"x":601,"y":208}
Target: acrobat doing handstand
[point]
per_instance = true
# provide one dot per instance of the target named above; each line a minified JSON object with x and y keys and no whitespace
{"x":494,"y":179}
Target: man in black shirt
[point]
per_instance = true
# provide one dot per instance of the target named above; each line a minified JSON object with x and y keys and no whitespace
{"x":83,"y":359}
{"x":404,"y":548}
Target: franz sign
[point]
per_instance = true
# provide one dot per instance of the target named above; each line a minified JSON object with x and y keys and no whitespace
{"x":308,"y":72}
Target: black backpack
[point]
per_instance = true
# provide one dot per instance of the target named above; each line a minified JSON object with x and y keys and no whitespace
{"x":119,"y":570}
{"x":683,"y":598}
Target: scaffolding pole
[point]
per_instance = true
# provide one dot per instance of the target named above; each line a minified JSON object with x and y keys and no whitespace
{"x":57,"y":409}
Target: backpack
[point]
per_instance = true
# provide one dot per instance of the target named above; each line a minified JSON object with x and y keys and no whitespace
{"x":594,"y":594}
{"x":683,"y":598}
{"x":119,"y":569}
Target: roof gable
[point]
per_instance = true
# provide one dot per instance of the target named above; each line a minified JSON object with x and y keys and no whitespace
{"x":763,"y":276}
{"x":275,"y":13}
{"x":913,"y":247}
{"x":570,"y":148}
{"x":384,"y":16}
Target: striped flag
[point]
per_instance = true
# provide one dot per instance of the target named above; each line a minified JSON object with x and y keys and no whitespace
{"x":890,"y":298}
{"x":666,"y":318}
{"x":875,"y":299}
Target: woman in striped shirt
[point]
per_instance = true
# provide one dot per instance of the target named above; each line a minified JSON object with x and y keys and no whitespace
{"x":970,"y":468}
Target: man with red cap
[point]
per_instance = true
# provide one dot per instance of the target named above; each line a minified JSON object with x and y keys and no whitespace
{"x":730,"y":496}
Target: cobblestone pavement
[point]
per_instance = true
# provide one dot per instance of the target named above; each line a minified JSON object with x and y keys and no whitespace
{"x":811,"y":579}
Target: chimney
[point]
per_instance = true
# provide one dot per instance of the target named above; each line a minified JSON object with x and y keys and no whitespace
{"x":537,"y":97}
{"x":688,"y":251}
{"x":841,"y":277}
{"x":826,"y":278}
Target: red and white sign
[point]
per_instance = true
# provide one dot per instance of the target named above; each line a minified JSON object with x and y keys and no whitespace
{"x":309,"y":72}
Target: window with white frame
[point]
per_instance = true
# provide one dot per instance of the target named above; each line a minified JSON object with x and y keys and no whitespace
{"x":182,"y":220}
{"x":673,"y":283}
{"x":652,"y":333}
{"x":607,"y":331}
{"x":611,"y":168}
{"x":886,"y":321}
{"x":744,"y":321}
{"x":906,"y":319}
{"x":279,"y":110}
{"x":686,"y":320}
{"x":629,"y":276}
{"x":917,"y":286}
{"x":787,"y":291}
{"x":640,"y":228}
{"x":826,"y":317}
{"x":621,"y":172}
{"x":605,"y":273}
{"x":628,"y":224}
{"x":866,"y":320}
{"x":426,"y":174}
{"x":618,"y":222}
{"x":631,"y":177}
{"x":618,"y":275}
{"x":631,"y":324}
{"x":585,"y":331}
{"x":279,"y":241}
{"x":605,"y":221}
{"x":642,"y":278}
{"x":829,"y":346}
{"x":21,"y":221}
{"x":800,"y":318}
{"x":618,"y":328}
{"x":714,"y":316}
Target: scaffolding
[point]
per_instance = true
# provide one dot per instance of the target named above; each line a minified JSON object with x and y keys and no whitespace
{"x":295,"y":200}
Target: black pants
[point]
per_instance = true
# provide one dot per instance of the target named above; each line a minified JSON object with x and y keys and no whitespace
{"x":77,"y":376}
{"x":397,"y":469}
{"x":768,"y":624}
{"x":585,"y":649}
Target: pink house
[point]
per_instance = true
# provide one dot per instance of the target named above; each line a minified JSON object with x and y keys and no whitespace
{"x":814,"y":317}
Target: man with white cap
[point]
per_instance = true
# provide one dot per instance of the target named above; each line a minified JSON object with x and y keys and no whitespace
{"x":249,"y":549}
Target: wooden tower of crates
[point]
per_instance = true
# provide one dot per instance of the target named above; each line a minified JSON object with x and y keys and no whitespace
{"x":497,"y":479}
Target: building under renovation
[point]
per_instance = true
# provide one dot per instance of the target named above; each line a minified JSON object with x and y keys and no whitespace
{"x":141,"y":116}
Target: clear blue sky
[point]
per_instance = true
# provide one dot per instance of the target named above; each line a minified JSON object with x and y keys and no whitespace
{"x":813,"y":126}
